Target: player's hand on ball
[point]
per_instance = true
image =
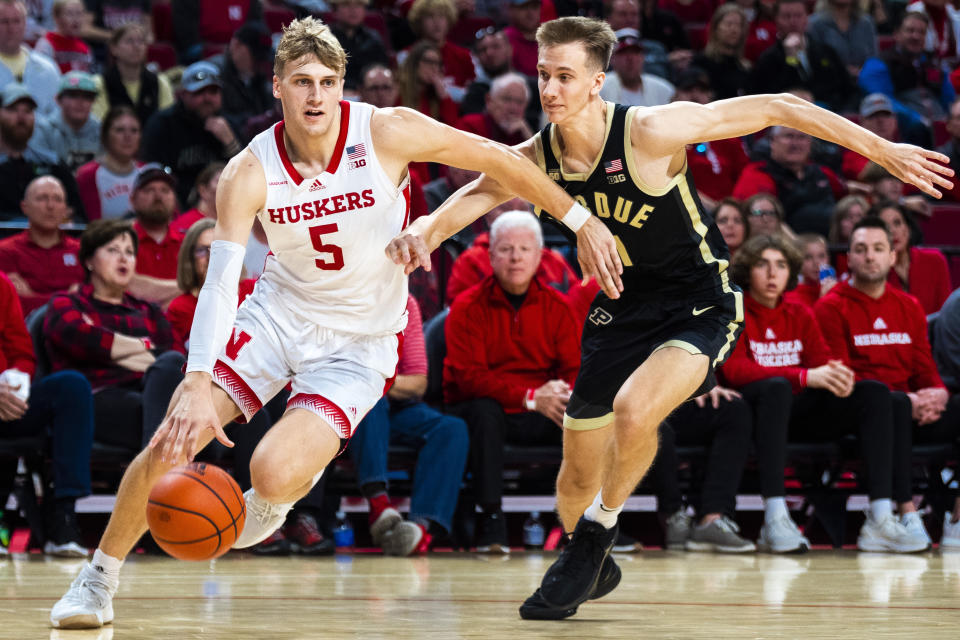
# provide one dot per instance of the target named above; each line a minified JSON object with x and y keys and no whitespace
{"x":598,"y":256}
{"x":193,"y":413}
{"x":409,"y":250}
{"x":924,"y":169}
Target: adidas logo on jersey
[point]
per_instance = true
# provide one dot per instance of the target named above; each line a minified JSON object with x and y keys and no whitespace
{"x":316,"y":186}
{"x":879,"y":324}
{"x":770,"y":335}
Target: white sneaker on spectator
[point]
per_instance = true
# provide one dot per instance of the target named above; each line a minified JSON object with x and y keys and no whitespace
{"x":263,"y":518}
{"x":88,"y":604}
{"x":951,"y":534}
{"x":388,"y":519}
{"x":721,"y":535}
{"x":782,"y":536}
{"x":914,"y":524}
{"x":889,"y":535}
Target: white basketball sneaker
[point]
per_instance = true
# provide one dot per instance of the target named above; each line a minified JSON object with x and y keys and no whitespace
{"x":88,"y":604}
{"x":951,"y":534}
{"x":889,"y":534}
{"x":263,"y":518}
{"x":782,"y":536}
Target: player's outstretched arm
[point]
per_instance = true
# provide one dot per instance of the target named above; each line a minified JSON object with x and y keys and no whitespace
{"x":507,"y":172}
{"x":240,"y":195}
{"x":663,"y":131}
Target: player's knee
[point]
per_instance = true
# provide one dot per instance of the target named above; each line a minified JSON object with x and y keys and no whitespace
{"x":577,"y":479}
{"x":273,"y":485}
{"x":635,"y":420}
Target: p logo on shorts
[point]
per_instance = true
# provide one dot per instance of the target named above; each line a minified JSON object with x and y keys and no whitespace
{"x":600,"y":317}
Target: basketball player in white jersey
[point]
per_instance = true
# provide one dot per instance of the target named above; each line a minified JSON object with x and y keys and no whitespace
{"x":330,"y":187}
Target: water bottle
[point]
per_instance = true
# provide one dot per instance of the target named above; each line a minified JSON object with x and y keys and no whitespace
{"x":533,"y":531}
{"x":343,"y":531}
{"x":826,"y":271}
{"x":4,"y":532}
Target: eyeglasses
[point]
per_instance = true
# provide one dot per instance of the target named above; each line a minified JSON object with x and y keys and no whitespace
{"x":483,"y":33}
{"x":763,"y":212}
{"x":201,"y":251}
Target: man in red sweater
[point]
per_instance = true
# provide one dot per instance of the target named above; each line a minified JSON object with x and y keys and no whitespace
{"x":881,"y":334}
{"x":61,"y":404}
{"x":473,"y":265}
{"x":786,"y":373}
{"x":503,"y":119}
{"x":42,"y":260}
{"x":513,"y":352}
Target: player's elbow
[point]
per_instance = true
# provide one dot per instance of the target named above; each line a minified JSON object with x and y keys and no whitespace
{"x":782,"y":108}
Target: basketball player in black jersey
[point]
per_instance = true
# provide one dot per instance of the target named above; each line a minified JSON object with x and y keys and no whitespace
{"x":649,"y":349}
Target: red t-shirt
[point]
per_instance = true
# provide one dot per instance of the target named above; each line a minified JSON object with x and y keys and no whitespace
{"x":457,"y":64}
{"x":780,"y":342}
{"x":16,"y":347}
{"x":185,"y":221}
{"x":69,"y":53}
{"x":158,"y":259}
{"x":473,"y":265}
{"x":805,"y":293}
{"x":881,"y":339}
{"x":928,"y":278}
{"x":524,"y":51}
{"x":182,"y":309}
{"x":47,"y":271}
{"x":413,"y":356}
{"x":762,"y":36}
{"x":716,"y":166}
{"x":496,"y":351}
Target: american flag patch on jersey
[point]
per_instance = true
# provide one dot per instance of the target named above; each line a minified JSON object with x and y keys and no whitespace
{"x":613,"y":167}
{"x":356,"y":151}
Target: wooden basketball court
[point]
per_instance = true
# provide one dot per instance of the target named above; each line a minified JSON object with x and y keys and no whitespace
{"x":823,"y":594}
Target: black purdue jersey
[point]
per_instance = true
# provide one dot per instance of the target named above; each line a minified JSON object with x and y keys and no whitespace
{"x":669,"y":245}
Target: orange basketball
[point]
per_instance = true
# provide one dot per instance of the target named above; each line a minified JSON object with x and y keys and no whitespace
{"x":196,"y":512}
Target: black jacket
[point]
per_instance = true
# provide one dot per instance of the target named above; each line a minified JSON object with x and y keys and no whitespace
{"x":827,"y":77}
{"x":176,"y":138}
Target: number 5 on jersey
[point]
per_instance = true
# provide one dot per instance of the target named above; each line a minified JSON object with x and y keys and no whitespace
{"x":335,"y":263}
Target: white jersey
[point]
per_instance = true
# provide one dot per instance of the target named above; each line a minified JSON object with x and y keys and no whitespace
{"x":327,"y":234}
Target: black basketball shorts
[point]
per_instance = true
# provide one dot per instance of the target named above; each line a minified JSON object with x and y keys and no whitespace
{"x":619,"y":335}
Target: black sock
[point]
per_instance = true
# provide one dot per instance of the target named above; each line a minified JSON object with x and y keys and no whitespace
{"x":372,"y":489}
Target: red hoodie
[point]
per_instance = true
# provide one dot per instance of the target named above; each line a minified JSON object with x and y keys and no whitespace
{"x":473,"y":265}
{"x":781,"y":342}
{"x":881,"y":339}
{"x":16,"y":346}
{"x":496,"y":351}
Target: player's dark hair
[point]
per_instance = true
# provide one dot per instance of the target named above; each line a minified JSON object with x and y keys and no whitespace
{"x":101,"y":232}
{"x":748,"y":255}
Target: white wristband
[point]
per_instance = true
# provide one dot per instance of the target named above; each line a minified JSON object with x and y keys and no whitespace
{"x":576,"y":217}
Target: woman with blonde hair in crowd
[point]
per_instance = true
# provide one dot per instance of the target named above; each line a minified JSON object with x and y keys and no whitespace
{"x":723,"y":57}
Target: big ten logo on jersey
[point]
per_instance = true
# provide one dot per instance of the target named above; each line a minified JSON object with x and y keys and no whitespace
{"x":617,"y":178}
{"x":323,"y":207}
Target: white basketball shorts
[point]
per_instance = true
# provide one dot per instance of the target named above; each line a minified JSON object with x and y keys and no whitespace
{"x":339,"y":376}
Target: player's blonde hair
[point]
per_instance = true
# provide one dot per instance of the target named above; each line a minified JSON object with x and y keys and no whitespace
{"x":596,"y":36}
{"x":309,"y":36}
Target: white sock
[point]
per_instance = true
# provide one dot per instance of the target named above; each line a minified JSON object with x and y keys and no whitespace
{"x":774,"y":509}
{"x":880,"y":509}
{"x":107,"y":565}
{"x":598,"y":512}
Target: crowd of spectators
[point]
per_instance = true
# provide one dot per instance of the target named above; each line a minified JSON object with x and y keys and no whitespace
{"x":117,"y":116}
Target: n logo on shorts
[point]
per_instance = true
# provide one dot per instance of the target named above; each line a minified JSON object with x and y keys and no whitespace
{"x":600,"y":317}
{"x":235,"y":343}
